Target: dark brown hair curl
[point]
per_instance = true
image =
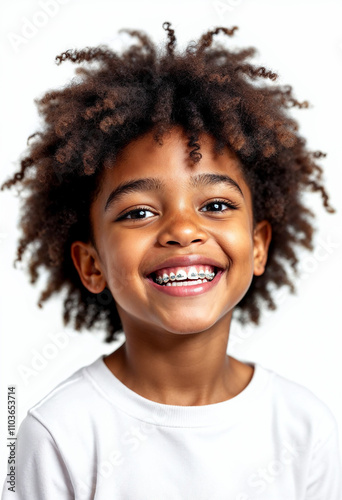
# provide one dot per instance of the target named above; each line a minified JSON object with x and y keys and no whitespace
{"x":117,"y":97}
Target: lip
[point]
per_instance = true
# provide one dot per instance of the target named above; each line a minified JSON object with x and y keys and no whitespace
{"x":187,"y":291}
{"x":185,"y":260}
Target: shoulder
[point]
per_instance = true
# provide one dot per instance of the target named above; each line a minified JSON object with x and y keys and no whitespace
{"x":71,"y":403}
{"x":297,"y":405}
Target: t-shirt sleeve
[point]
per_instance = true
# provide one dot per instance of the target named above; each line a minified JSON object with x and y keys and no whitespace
{"x":325,"y":476}
{"x":40,"y":472}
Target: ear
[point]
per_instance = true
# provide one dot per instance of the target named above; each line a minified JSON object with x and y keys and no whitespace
{"x":262,"y":239}
{"x":87,"y":263}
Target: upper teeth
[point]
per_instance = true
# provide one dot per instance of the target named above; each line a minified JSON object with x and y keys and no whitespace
{"x":193,"y":274}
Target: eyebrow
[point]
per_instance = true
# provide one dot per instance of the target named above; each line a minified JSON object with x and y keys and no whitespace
{"x":154,"y":184}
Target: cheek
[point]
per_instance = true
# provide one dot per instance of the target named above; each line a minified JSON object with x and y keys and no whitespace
{"x":238,"y":246}
{"x":123,"y":257}
{"x":237,"y":243}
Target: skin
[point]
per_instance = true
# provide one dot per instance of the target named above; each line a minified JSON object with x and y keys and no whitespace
{"x":175,"y":348}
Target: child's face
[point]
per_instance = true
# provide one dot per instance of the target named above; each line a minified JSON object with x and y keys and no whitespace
{"x":179,"y":219}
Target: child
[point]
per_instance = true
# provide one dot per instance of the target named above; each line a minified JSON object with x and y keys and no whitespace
{"x":158,"y":189}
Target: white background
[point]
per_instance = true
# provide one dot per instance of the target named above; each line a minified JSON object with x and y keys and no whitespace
{"x":300,"y":40}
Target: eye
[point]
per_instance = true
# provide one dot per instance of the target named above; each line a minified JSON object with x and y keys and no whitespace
{"x":137,"y":213}
{"x":216,"y":206}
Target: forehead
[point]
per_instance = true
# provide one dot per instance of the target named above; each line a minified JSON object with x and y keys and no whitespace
{"x":170,"y":162}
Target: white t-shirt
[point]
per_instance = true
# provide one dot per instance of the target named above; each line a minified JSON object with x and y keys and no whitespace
{"x":94,"y":438}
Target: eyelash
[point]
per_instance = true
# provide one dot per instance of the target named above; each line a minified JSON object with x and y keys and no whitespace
{"x":230,"y":204}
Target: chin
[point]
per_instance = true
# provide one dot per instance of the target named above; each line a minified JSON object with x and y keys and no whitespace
{"x":189,"y":326}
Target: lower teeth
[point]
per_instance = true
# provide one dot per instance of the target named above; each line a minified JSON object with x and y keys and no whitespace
{"x":185,"y":283}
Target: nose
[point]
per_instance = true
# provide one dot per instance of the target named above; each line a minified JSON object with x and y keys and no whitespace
{"x":182,"y":230}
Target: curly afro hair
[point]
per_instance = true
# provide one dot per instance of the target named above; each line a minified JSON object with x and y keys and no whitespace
{"x":204,"y":88}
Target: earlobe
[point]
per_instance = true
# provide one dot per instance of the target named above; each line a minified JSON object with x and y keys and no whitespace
{"x":86,"y":261}
{"x":262,"y":239}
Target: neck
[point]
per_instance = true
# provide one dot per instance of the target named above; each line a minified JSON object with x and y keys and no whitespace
{"x":180,"y":369}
